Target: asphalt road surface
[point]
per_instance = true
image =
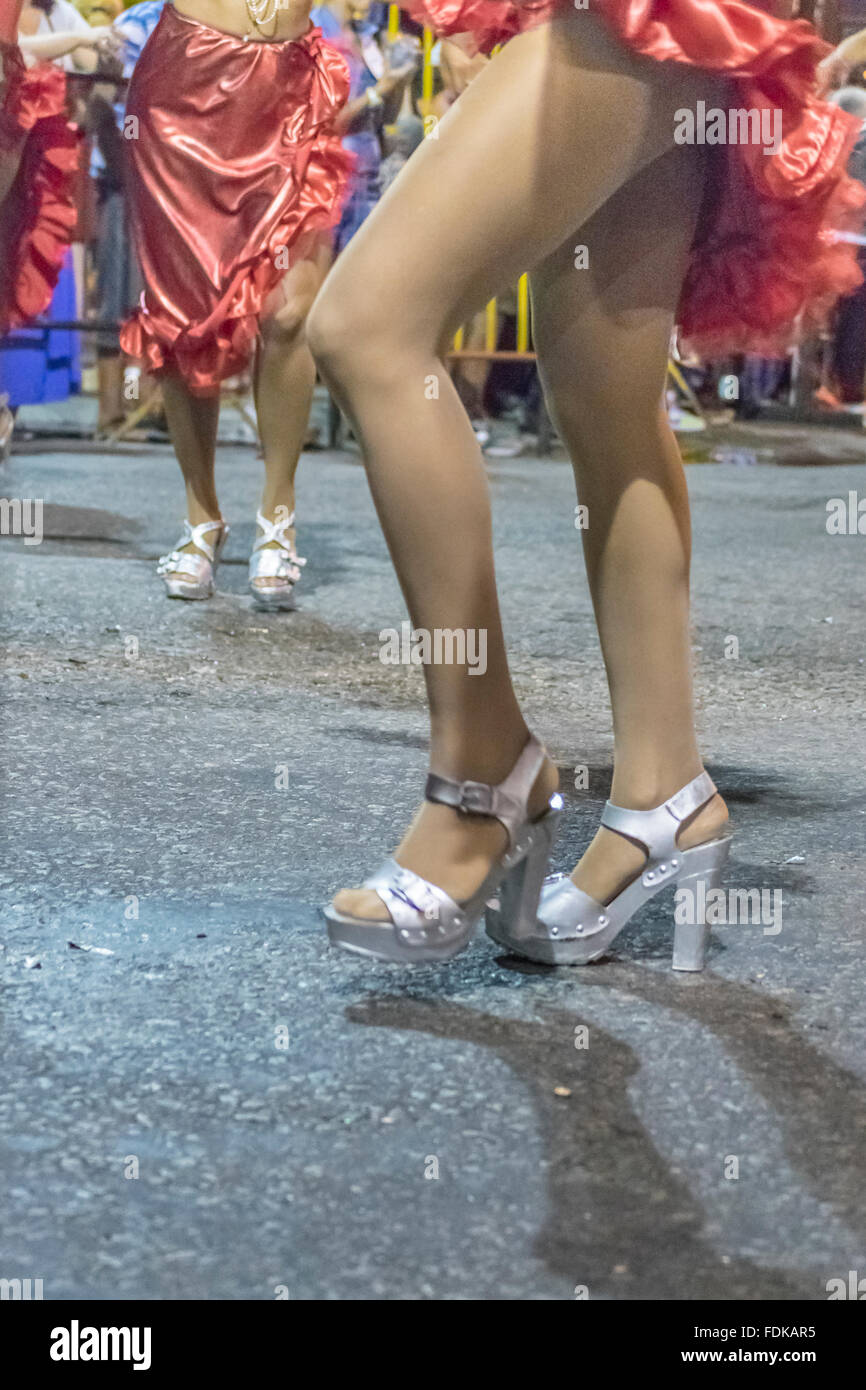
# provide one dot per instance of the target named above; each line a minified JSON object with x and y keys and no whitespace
{"x":201,"y":1099}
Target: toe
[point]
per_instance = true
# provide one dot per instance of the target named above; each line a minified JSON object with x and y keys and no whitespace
{"x":361,"y":902}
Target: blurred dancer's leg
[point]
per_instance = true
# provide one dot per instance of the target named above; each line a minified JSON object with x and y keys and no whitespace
{"x":285,"y":375}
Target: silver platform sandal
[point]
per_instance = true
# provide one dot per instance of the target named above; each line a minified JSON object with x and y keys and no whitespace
{"x":190,"y":573}
{"x":571,"y":928}
{"x":428,"y":925}
{"x":279,"y":563}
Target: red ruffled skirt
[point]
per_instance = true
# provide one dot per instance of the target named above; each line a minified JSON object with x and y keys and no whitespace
{"x":38,"y":217}
{"x":767,"y":253}
{"x":236,"y":172}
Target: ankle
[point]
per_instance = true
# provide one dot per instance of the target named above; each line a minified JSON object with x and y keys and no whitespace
{"x":642,"y":790}
{"x":469,"y":755}
{"x":279,"y":510}
{"x":473,"y":764}
{"x":197,"y":514}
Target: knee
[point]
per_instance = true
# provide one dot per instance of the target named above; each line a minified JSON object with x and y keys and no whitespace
{"x":328,"y":334}
{"x":356,"y":340}
{"x":346,"y":336}
{"x":284,"y":326}
{"x":600,"y":406}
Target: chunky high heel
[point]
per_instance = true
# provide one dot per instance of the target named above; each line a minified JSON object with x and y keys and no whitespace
{"x":279,"y":563}
{"x":428,"y":925}
{"x":190,"y":574}
{"x":571,"y":928}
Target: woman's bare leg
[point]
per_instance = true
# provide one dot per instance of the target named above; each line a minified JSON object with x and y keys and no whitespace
{"x":603,"y":334}
{"x":561,"y":119}
{"x":192,"y":424}
{"x":284,"y":379}
{"x":285,"y":373}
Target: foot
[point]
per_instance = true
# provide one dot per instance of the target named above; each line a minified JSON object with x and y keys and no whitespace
{"x":274,"y":575}
{"x":214,"y":537}
{"x":188,"y":570}
{"x":611,"y":861}
{"x":273,"y":545}
{"x":451,"y":850}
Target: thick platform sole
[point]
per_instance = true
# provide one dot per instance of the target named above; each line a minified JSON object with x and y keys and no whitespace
{"x":381,"y":942}
{"x":518,"y":876}
{"x":702,"y":863}
{"x":542,"y":950}
{"x":273,"y":603}
{"x":191,"y":593}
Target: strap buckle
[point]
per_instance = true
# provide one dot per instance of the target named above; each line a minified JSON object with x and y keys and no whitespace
{"x":475,"y":798}
{"x":469,"y":798}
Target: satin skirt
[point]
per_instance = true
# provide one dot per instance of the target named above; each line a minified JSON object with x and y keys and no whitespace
{"x":235,"y":173}
{"x":38,"y":217}
{"x":766,"y":262}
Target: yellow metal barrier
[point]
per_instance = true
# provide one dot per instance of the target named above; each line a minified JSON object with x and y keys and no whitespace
{"x":490,"y":326}
{"x":523,"y":313}
{"x":427,"y":65}
{"x":522,"y":349}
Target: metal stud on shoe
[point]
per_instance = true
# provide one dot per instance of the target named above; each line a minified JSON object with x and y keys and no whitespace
{"x":412,"y":901}
{"x":573,"y":929}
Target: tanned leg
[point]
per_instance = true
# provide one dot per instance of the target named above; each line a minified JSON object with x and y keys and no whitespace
{"x":284,"y":380}
{"x":192,"y":423}
{"x":603,"y":334}
{"x":541,"y":140}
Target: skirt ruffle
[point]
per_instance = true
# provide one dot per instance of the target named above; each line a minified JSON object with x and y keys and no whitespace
{"x":38,"y":217}
{"x":767,"y":257}
{"x":236,"y":174}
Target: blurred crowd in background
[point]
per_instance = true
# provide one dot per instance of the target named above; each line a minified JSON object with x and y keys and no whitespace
{"x":400,"y":87}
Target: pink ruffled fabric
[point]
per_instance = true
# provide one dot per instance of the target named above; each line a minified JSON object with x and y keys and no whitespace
{"x":38,"y":217}
{"x":236,"y":173}
{"x":766,"y":257}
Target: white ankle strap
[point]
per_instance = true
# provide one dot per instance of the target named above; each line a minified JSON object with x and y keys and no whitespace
{"x":657,"y":829}
{"x":195,"y":535}
{"x":274,"y":531}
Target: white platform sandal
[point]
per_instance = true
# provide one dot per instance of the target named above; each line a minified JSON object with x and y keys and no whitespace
{"x":190,"y":574}
{"x":571,"y":928}
{"x":425,"y":924}
{"x":279,"y":563}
